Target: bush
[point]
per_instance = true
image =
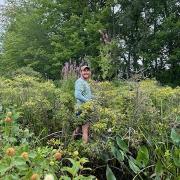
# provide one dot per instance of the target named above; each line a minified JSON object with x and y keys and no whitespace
{"x":141,"y":113}
{"x":21,"y":159}
{"x":144,"y":115}
{"x":44,"y":107}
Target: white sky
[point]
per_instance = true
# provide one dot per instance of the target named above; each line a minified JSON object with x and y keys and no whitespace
{"x":2,"y":2}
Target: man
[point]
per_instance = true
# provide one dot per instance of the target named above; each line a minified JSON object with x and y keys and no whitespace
{"x":82,"y":95}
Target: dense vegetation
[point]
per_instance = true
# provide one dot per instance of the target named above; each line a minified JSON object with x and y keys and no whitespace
{"x":133,"y":49}
{"x":117,"y":38}
{"x":134,"y":129}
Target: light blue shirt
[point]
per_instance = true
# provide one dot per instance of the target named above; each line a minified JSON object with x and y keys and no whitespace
{"x":82,"y":91}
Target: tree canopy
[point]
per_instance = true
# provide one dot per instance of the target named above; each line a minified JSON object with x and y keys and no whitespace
{"x":117,"y":38}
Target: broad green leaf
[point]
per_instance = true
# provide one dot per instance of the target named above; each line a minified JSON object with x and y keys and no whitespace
{"x":83,"y":160}
{"x":16,"y":116}
{"x":14,"y":177}
{"x":121,"y":144}
{"x":178,"y":119}
{"x":121,"y":155}
{"x":75,"y":167}
{"x":72,"y":161}
{"x":176,"y":157}
{"x":175,"y":136}
{"x":19,"y":161}
{"x":32,"y":155}
{"x":25,"y":148}
{"x":118,"y":154}
{"x":11,"y":177}
{"x":110,"y":174}
{"x":68,"y":169}
{"x":159,"y":169}
{"x":3,"y":168}
{"x":105,"y":157}
{"x":157,"y":178}
{"x":133,"y":166}
{"x":143,"y":156}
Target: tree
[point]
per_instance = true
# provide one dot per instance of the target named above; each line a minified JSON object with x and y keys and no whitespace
{"x":142,"y":36}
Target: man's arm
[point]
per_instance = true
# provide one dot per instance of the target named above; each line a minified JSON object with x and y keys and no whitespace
{"x":79,"y":92}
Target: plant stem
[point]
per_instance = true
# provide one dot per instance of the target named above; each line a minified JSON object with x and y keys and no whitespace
{"x":142,"y":171}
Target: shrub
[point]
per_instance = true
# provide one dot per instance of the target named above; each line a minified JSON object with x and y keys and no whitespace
{"x":20,"y":159}
{"x":135,"y":112}
{"x":44,"y":107}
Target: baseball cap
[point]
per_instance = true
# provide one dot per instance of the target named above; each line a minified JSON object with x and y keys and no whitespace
{"x":84,"y":67}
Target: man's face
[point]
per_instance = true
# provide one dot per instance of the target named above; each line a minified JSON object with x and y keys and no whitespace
{"x":86,"y":73}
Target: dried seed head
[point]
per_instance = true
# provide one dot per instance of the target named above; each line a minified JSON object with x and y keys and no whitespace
{"x":34,"y":177}
{"x":58,"y":156}
{"x":25,"y":155}
{"x":8,"y":119}
{"x":10,"y":152}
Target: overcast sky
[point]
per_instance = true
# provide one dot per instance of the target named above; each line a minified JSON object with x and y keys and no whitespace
{"x":2,"y":2}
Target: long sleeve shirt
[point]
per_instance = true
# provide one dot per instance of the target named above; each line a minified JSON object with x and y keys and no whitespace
{"x":82,"y":91}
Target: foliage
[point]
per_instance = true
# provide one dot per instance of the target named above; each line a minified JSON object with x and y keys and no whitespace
{"x":142,"y":36}
{"x":76,"y":169}
{"x":143,"y":113}
{"x":163,"y":162}
{"x":41,"y":103}
{"x":134,"y":125}
{"x":20,"y":159}
{"x":26,"y":71}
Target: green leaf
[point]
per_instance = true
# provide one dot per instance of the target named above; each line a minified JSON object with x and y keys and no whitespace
{"x":14,"y":177}
{"x":105,"y":156}
{"x":118,"y":154}
{"x":178,"y":118}
{"x":72,"y":161}
{"x":109,"y":174}
{"x":11,"y":177}
{"x":121,"y":144}
{"x":83,"y":160}
{"x":25,"y":148}
{"x":20,"y":164}
{"x":68,"y":169}
{"x":74,"y":169}
{"x":143,"y":156}
{"x":176,"y":157}
{"x":175,"y":136}
{"x":159,"y":169}
{"x":16,"y":115}
{"x":3,"y":168}
{"x":133,"y":166}
{"x":32,"y":155}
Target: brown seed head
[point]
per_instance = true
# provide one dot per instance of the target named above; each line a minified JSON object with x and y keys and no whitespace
{"x":10,"y":151}
{"x":8,"y":119}
{"x":25,"y":155}
{"x":34,"y":177}
{"x":58,"y":156}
